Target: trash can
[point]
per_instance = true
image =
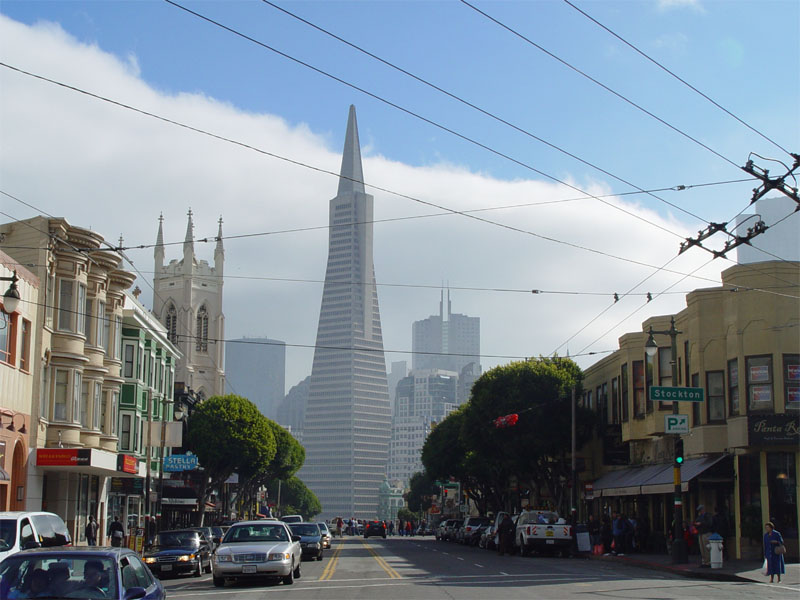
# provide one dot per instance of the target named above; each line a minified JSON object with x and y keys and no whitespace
{"x":715,"y":546}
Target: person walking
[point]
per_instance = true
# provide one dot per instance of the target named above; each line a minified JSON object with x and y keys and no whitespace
{"x":593,"y":527}
{"x":339,"y":524}
{"x":773,"y":553}
{"x":91,"y":531}
{"x":117,"y":532}
{"x":505,"y":534}
{"x":391,"y":526}
{"x":618,"y":531}
{"x":704,"y":524}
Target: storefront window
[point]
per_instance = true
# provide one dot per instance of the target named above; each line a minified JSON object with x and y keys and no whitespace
{"x":759,"y":383}
{"x":750,"y":496}
{"x":733,"y":386}
{"x":791,"y":380}
{"x":781,"y":479}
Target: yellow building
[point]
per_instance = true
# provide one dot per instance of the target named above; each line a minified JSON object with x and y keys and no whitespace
{"x":741,"y":343}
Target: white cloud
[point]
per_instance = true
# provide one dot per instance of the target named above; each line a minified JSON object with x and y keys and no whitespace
{"x":113,"y":170}
{"x":678,"y":4}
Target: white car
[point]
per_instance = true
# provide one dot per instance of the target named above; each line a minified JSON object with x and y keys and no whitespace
{"x":22,"y":530}
{"x":265,"y":548}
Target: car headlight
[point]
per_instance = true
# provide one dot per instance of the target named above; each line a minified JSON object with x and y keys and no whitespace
{"x":187,"y":557}
{"x":279,"y":556}
{"x":150,"y":559}
{"x":222,"y":557}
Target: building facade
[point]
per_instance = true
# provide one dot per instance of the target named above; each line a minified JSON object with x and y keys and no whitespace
{"x":348,"y":418}
{"x":740,"y":343}
{"x":291,"y":412}
{"x":188,"y":301}
{"x":447,"y":341}
{"x":255,"y":368}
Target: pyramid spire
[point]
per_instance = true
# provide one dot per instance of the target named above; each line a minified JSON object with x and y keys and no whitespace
{"x":351,"y":177}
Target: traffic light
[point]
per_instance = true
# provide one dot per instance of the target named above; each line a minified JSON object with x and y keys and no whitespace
{"x":678,"y":452}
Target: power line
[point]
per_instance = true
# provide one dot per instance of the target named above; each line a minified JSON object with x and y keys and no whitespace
{"x":475,"y":107}
{"x":683,"y":81}
{"x":595,"y":81}
{"x":415,"y":114}
{"x":321,"y":170}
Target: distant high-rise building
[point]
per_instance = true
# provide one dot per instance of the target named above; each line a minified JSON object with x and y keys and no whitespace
{"x":399,"y":370}
{"x":447,"y":341}
{"x":348,"y":416}
{"x":779,"y":240}
{"x":291,"y":411}
{"x":256,"y":369}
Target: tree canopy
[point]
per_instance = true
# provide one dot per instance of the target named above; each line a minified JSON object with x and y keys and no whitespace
{"x":295,"y":498}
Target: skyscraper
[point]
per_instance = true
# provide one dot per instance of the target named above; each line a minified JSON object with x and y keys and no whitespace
{"x":348,"y":416}
{"x":256,"y":369}
{"x":453,"y":340}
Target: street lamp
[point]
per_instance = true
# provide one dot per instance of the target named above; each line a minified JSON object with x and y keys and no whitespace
{"x":679,"y":551}
{"x":11,"y":298}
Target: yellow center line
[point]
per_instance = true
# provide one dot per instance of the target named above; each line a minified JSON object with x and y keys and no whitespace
{"x":379,"y":559}
{"x":327,"y":572}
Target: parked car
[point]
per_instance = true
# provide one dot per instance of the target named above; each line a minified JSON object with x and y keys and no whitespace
{"x":293,"y":519}
{"x":442,"y":528}
{"x":310,"y":539}
{"x":375,"y":528}
{"x":206,"y":533}
{"x":469,"y":534}
{"x":326,"y":534}
{"x":543,"y":531}
{"x":178,"y":552}
{"x":487,"y":537}
{"x":265,"y":548}
{"x":78,"y":572}
{"x":451,"y":531}
{"x":20,"y":530}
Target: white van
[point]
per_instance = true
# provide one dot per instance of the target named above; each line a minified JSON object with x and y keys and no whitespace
{"x":293,"y":519}
{"x":22,"y":530}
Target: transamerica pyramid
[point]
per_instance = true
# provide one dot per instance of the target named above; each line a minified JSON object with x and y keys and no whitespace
{"x":348,"y":417}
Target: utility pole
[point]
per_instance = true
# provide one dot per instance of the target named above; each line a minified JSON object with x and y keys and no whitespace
{"x":573,"y":494}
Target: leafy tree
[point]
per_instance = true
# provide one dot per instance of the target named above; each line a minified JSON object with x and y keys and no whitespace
{"x":229,"y":434}
{"x":406,"y":515}
{"x":421,"y":488}
{"x":295,"y":498}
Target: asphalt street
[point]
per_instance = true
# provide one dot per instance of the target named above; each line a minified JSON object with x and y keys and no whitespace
{"x":422,"y":568}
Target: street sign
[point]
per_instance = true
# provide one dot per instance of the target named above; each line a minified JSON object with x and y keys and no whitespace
{"x":681,"y":394}
{"x":676,"y":423}
{"x":180,"y":462}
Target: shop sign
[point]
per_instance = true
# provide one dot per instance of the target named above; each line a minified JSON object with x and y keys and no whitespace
{"x":759,"y":373}
{"x":773,"y":429}
{"x":127,"y":463}
{"x":180,"y":462}
{"x":129,"y":486}
{"x":588,"y":491}
{"x":63,"y":457}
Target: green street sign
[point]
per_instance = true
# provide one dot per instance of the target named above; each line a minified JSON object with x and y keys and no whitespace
{"x":681,"y":394}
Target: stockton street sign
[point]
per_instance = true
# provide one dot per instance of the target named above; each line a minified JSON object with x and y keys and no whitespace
{"x":681,"y":394}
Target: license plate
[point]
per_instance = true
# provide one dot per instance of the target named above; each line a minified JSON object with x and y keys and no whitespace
{"x":549,"y":534}
{"x":166,"y":567}
{"x":550,"y":541}
{"x":249,"y":569}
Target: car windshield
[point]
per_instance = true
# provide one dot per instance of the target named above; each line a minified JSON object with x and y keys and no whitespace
{"x":8,"y":533}
{"x":304,"y":529}
{"x":177,"y":539}
{"x":256,"y":533}
{"x":58,"y":575}
{"x":323,"y":527}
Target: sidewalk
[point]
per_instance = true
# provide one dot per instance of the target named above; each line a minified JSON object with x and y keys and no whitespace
{"x":732,"y":570}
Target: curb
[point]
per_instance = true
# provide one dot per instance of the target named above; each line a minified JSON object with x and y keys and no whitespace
{"x":709,"y":574}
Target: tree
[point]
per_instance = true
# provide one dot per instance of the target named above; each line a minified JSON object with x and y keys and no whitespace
{"x":295,"y":498}
{"x":228,"y":434}
{"x":421,"y":488}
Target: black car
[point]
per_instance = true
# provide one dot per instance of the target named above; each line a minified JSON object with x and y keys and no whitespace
{"x":178,"y":552}
{"x":310,"y":539}
{"x":375,"y":528}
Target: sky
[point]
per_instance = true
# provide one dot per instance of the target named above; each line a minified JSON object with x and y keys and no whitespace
{"x":278,"y":90}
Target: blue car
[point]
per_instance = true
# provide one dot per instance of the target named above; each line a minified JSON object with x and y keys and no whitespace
{"x":78,"y":572}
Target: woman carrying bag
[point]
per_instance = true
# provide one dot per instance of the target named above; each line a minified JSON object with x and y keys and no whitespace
{"x":773,"y":553}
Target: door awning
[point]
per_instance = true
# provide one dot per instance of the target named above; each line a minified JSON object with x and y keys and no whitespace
{"x":651,"y":479}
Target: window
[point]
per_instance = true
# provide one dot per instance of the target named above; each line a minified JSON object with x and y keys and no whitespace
{"x":90,"y":327}
{"x":791,"y":380}
{"x":76,"y":397}
{"x":733,"y":387}
{"x":50,"y":299}
{"x":172,"y":324}
{"x":128,"y":353}
{"x":624,"y":380}
{"x":125,"y":432}
{"x":65,"y":312}
{"x":141,"y":363}
{"x":115,"y":350}
{"x":715,"y":396}
{"x":25,"y":349}
{"x":97,"y":400}
{"x":603,"y":395}
{"x":85,"y":404}
{"x":106,"y":339}
{"x":201,"y":334}
{"x":99,"y":318}
{"x":695,"y":405}
{"x":665,"y":373}
{"x":60,"y":395}
{"x":638,"y":389}
{"x":81,"y":307}
{"x":8,"y":335}
{"x":759,"y":383}
{"x":649,"y":376}
{"x":114,"y":407}
{"x":44,"y":394}
{"x":615,"y":400}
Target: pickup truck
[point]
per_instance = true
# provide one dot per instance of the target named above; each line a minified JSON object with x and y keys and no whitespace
{"x":543,"y":531}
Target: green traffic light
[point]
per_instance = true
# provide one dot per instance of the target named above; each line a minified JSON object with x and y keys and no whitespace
{"x":679,"y":459}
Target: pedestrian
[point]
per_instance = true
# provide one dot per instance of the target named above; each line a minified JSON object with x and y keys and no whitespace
{"x":773,"y":553}
{"x":505,"y":534}
{"x":618,"y":531}
{"x":703,"y":523}
{"x":91,"y":531}
{"x":391,"y":526}
{"x":593,"y":527}
{"x":117,"y":532}
{"x":408,"y":528}
{"x":339,"y":524}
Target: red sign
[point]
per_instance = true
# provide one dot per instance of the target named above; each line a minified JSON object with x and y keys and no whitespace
{"x":127,"y":463}
{"x":62,"y":457}
{"x":507,"y":420}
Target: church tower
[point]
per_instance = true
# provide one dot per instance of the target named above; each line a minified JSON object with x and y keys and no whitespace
{"x":188,"y":301}
{"x":348,"y":416}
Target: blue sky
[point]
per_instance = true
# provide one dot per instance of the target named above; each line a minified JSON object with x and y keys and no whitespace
{"x":743,"y":54}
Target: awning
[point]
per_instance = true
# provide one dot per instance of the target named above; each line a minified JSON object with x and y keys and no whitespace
{"x":651,"y":479}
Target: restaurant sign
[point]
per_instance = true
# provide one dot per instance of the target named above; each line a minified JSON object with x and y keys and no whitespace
{"x":773,"y":429}
{"x":63,"y":457}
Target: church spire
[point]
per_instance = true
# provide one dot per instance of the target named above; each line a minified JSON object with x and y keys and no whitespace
{"x":188,"y":243}
{"x":158,"y":252}
{"x":219,"y":251}
{"x":351,"y":177}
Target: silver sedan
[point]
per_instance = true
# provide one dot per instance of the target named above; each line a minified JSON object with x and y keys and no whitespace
{"x":258,"y":549}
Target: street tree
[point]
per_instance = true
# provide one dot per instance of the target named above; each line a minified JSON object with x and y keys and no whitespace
{"x":421,"y":489}
{"x":295,"y":498}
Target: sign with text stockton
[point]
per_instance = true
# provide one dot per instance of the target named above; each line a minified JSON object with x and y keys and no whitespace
{"x":681,"y":394}
{"x":180,"y":462}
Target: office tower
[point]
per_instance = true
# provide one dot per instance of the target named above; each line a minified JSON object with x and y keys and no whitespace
{"x":446,"y":341}
{"x":256,"y":369}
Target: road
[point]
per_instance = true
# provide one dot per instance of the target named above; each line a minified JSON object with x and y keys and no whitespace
{"x":422,"y":569}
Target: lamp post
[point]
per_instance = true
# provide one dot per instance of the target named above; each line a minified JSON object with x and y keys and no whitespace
{"x":11,"y":298}
{"x":178,"y":415}
{"x":679,"y":551}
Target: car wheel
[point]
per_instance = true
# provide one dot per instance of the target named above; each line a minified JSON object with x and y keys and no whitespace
{"x":208,"y":566}
{"x":319,"y":556}
{"x":219,"y":582}
{"x":199,"y":571}
{"x":289,"y":579}
{"x":297,"y":573}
